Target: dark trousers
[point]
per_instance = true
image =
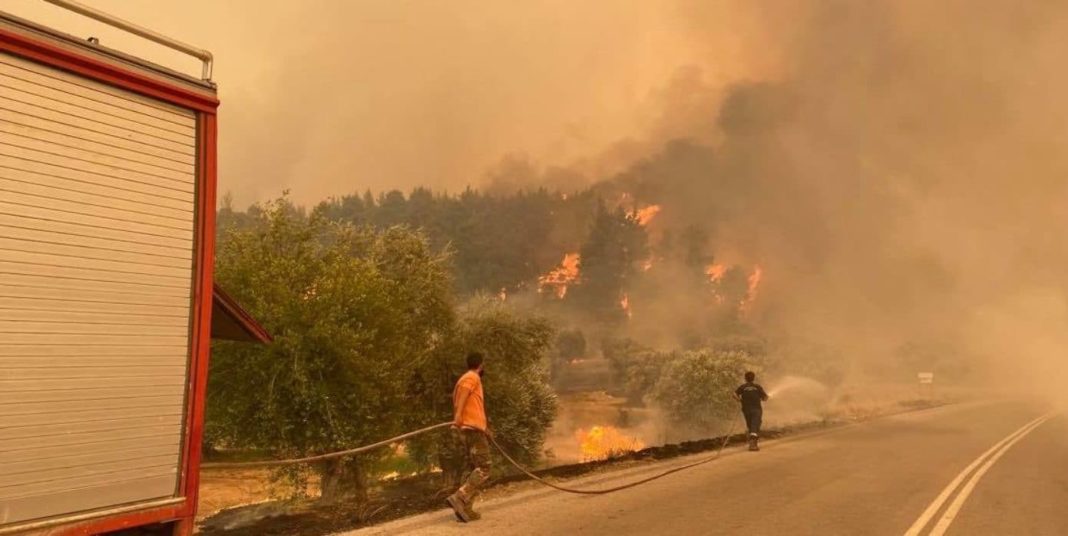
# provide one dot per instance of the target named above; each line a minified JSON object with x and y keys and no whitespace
{"x":753,"y":418}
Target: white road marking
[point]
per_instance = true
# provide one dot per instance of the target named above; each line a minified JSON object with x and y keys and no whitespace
{"x":962,"y":496}
{"x":936,"y":505}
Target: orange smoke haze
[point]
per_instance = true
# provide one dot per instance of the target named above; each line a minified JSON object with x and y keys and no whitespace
{"x":386,"y":95}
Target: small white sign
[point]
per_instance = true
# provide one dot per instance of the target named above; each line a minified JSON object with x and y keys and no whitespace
{"x":926,"y":377}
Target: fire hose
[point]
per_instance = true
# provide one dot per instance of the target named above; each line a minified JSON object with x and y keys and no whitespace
{"x":657,"y":476}
{"x":493,"y":441}
{"x":321,"y":457}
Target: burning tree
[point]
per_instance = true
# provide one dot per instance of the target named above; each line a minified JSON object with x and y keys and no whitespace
{"x":611,"y":256}
{"x":561,"y":278}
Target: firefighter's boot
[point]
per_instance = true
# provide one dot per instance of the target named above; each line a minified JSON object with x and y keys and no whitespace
{"x":753,"y":442}
{"x":472,"y":515}
{"x":459,"y":507}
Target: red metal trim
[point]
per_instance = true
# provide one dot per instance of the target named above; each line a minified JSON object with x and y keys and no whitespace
{"x":105,"y":72}
{"x":229,"y":307}
{"x":201,"y":342}
{"x":111,"y":524}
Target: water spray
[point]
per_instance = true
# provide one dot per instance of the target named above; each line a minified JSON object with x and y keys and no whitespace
{"x":793,"y":383}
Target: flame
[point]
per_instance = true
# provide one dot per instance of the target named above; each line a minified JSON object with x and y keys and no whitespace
{"x":559,"y":279}
{"x":646,"y":215}
{"x":624,"y":303}
{"x":715,"y":272}
{"x":503,"y":294}
{"x":751,"y":292}
{"x":603,"y":442}
{"x":647,"y":264}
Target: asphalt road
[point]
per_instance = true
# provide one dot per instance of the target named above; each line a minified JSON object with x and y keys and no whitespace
{"x":878,"y":477}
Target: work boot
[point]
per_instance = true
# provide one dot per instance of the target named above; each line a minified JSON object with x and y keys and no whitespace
{"x":753,"y":442}
{"x":459,"y":507}
{"x":472,"y":515}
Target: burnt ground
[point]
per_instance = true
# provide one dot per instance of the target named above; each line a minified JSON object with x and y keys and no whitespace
{"x":416,"y":495}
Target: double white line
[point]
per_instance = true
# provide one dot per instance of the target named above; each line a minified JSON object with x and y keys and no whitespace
{"x":984,"y":462}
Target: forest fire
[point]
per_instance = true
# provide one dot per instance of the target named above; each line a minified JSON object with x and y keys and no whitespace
{"x":624,"y":303}
{"x":751,"y":292}
{"x":646,"y":215}
{"x":560,"y":278}
{"x":603,"y":442}
{"x":715,"y":272}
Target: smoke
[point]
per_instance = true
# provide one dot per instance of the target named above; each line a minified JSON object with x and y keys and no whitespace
{"x":896,"y":167}
{"x":900,"y":177}
{"x":335,"y":96}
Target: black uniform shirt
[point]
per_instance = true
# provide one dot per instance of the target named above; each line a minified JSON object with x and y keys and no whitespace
{"x":752,"y":395}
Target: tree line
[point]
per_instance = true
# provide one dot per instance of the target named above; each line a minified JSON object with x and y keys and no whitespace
{"x":375,"y":300}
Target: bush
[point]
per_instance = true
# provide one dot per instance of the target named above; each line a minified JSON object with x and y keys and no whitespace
{"x":571,"y":344}
{"x":636,"y":368}
{"x":695,"y":389}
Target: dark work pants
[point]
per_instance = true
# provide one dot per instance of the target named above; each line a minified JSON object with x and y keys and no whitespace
{"x":753,"y":418}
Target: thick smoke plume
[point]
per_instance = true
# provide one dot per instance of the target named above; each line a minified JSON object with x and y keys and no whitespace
{"x":901,"y":179}
{"x":897,"y":167}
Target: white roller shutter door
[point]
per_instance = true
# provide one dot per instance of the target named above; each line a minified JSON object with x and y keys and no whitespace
{"x":96,"y":259}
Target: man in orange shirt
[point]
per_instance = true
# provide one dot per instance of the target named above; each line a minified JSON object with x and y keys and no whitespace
{"x":469,"y":418}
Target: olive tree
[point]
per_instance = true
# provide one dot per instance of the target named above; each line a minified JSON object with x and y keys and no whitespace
{"x":520,"y":404}
{"x":696,"y":388}
{"x":353,"y":312}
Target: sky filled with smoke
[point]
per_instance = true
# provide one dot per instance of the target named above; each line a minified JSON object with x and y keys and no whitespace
{"x":897,"y":167}
{"x":330,"y":97}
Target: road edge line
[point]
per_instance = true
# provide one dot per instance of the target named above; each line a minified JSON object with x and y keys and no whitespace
{"x":917,"y":527}
{"x":958,"y":502}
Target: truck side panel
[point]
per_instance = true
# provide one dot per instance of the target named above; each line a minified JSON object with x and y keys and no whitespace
{"x":97,"y":222}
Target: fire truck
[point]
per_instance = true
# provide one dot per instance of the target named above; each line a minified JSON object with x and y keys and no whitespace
{"x":107,"y":303}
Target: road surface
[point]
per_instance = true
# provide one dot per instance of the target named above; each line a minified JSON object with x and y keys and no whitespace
{"x":878,"y":477}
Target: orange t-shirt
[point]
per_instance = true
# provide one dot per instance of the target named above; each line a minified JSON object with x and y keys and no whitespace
{"x":473,"y":414}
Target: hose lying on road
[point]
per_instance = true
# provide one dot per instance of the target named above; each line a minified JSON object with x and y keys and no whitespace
{"x":524,"y":470}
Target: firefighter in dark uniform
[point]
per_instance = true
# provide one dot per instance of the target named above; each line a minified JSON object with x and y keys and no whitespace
{"x":751,"y":395}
